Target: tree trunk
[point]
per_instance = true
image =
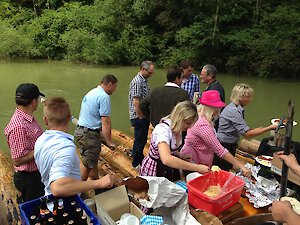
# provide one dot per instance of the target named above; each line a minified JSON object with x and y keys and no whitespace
{"x":216,"y":29}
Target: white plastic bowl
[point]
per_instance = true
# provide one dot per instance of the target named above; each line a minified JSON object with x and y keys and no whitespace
{"x":192,"y":176}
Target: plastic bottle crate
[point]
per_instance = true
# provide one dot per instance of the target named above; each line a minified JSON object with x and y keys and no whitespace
{"x":28,"y":208}
{"x":197,"y":186}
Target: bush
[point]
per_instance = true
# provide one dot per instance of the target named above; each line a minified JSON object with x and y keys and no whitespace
{"x":14,"y":44}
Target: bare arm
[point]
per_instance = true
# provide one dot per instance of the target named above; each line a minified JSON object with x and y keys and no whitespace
{"x":68,"y":186}
{"x":136,"y":104}
{"x":258,"y":131}
{"x":175,"y":162}
{"x":25,"y":159}
{"x":237,"y":164}
{"x":106,"y":130}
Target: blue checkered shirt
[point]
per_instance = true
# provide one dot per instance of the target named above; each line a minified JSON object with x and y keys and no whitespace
{"x":191,"y":85}
{"x":138,"y":88}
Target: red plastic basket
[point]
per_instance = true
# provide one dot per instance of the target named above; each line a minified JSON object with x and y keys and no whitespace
{"x":197,"y":186}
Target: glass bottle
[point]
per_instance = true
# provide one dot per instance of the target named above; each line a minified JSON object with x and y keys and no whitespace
{"x":50,"y":221}
{"x":79,"y":213}
{"x":65,"y":218}
{"x":71,"y":222}
{"x":83,"y":220}
{"x":33,"y":219}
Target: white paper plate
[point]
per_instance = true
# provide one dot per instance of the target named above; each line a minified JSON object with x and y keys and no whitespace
{"x":276,"y":122}
{"x":264,"y":160}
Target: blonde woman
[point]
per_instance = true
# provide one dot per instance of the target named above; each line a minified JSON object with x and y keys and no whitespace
{"x":166,"y":140}
{"x":232,"y":124}
{"x":201,"y":141}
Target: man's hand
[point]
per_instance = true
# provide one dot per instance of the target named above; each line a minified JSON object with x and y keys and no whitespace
{"x":106,"y":182}
{"x":291,"y":161}
{"x":279,"y":210}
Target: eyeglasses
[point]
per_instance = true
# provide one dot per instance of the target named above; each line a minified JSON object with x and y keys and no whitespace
{"x":150,"y":72}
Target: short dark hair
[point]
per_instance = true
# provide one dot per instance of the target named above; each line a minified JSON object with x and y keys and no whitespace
{"x":210,"y":69}
{"x":173,"y":73}
{"x":109,"y":78}
{"x":23,"y":102}
{"x":186,"y":63}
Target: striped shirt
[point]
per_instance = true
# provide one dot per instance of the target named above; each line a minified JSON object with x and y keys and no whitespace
{"x":191,"y":85}
{"x":138,"y":88}
{"x":21,"y":134}
{"x":201,"y":143}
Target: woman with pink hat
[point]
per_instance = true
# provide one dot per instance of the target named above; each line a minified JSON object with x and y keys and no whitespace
{"x":201,"y":141}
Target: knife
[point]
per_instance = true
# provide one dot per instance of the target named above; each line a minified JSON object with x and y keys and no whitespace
{"x":279,"y":124}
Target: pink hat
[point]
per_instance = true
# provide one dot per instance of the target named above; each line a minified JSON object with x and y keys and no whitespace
{"x":211,"y":98}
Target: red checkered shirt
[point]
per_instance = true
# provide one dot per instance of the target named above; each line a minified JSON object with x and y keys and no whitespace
{"x":21,"y":134}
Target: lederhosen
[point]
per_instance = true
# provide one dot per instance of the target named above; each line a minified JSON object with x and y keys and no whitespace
{"x":162,"y":170}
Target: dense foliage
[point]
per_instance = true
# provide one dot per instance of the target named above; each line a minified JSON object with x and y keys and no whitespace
{"x":254,"y":37}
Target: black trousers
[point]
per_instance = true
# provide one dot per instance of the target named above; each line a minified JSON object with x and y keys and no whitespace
{"x":223,"y":164}
{"x":29,"y":184}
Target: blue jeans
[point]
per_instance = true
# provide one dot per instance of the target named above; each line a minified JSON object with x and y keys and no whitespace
{"x":141,"y":127}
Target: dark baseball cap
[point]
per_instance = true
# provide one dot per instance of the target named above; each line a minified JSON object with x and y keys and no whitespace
{"x":28,"y":91}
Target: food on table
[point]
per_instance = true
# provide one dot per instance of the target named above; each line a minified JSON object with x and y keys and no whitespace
{"x":215,"y":169}
{"x":213,"y":191}
{"x":294,"y":202}
{"x":264,"y":160}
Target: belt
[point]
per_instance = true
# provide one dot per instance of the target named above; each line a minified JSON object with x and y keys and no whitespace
{"x":89,"y":129}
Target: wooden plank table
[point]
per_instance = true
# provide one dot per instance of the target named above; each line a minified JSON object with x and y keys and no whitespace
{"x":243,"y":208}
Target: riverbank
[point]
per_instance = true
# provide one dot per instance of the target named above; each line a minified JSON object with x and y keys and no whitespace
{"x":73,"y":81}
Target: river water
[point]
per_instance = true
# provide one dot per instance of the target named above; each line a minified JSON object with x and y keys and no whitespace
{"x":73,"y":81}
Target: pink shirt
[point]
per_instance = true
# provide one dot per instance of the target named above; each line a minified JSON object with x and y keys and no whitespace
{"x":21,"y":134}
{"x":201,"y":143}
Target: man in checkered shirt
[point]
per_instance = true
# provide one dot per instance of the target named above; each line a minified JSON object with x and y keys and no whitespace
{"x":21,"y":133}
{"x":190,"y":82}
{"x":138,"y":90}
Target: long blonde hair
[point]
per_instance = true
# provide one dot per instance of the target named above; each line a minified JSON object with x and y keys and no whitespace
{"x":239,"y":91}
{"x":182,"y":112}
{"x":207,"y":112}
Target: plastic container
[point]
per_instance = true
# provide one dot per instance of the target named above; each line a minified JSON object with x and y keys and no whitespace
{"x":28,"y":208}
{"x":215,"y":206}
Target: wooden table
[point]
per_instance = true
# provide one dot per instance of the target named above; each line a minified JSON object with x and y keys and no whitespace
{"x":243,"y":208}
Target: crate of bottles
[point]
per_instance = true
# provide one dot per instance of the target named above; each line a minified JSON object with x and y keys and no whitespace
{"x":49,"y":210}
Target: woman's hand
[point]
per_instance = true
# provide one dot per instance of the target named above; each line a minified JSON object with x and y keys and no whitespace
{"x":246,"y":172}
{"x":203,"y":169}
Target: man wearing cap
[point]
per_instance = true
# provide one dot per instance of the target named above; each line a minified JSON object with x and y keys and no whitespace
{"x":21,"y":133}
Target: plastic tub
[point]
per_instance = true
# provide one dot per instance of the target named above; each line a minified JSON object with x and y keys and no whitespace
{"x":197,"y":186}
